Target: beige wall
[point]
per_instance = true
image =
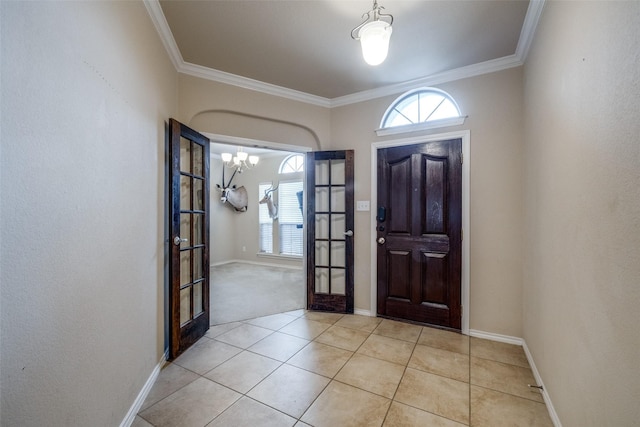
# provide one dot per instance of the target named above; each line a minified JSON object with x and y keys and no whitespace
{"x":582,"y":204}
{"x":86,"y":90}
{"x":237,"y":230}
{"x":222,"y":227}
{"x":221,"y":109}
{"x":494,"y":105}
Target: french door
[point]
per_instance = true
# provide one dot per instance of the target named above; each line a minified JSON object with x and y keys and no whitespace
{"x":189,"y":237}
{"x":330,"y":200}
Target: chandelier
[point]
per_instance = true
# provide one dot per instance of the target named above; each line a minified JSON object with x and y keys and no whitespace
{"x":374,"y":35}
{"x":241,"y":161}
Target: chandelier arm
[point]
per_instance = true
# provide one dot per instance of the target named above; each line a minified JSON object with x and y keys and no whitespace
{"x":356,"y":29}
{"x":381,"y":15}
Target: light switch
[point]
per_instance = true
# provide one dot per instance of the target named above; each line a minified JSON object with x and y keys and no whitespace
{"x":362,"y":205}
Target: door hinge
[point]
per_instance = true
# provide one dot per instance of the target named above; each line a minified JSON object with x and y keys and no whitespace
{"x":461,"y":235}
{"x":461,"y":310}
{"x":461,"y":158}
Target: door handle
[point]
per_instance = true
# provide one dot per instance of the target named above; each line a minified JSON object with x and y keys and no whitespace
{"x":348,"y":233}
{"x":381,"y":240}
{"x":177,"y":240}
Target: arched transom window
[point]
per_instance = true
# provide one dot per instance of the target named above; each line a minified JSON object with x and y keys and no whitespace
{"x":420,"y":109}
{"x":292,"y":164}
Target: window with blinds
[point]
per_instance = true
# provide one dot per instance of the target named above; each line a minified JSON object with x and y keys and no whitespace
{"x":265,"y":232}
{"x":290,"y":218}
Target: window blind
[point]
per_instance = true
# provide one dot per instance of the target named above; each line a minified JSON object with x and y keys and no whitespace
{"x":290,"y":218}
{"x":265,"y":231}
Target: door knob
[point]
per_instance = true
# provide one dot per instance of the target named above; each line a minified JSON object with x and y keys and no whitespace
{"x":381,"y":240}
{"x":177,"y":240}
{"x":348,"y":233}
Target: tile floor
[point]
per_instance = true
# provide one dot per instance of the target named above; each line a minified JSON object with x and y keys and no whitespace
{"x":323,"y":369}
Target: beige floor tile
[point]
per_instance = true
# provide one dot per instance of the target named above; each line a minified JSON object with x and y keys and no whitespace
{"x":433,"y":393}
{"x":273,"y":322}
{"x":362,"y":323}
{"x":248,"y":412}
{"x":321,"y":359}
{"x":205,"y":355}
{"x":295,"y":313}
{"x":301,"y":424}
{"x":139,"y":422}
{"x":498,"y":351}
{"x":346,"y":406}
{"x":347,"y":339}
{"x":171,"y":378}
{"x":192,"y":406}
{"x":244,"y":335}
{"x":494,"y":409}
{"x":243,"y":371}
{"x":216,"y":330}
{"x":289,"y":389}
{"x":445,"y":340}
{"x":305,"y":328}
{"x":504,"y":377}
{"x":324,"y":317}
{"x":374,"y":375}
{"x":279,"y":346}
{"x":442,"y":362}
{"x":400,"y":415}
{"x":398,"y":330}
{"x":389,"y":349}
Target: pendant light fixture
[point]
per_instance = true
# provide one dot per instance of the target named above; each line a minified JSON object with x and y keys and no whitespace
{"x":374,"y":34}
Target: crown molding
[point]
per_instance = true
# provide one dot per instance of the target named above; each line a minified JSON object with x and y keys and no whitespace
{"x":247,"y":83}
{"x":532,"y":17}
{"x":486,"y":67}
{"x":162,"y":27}
{"x":534,"y":11}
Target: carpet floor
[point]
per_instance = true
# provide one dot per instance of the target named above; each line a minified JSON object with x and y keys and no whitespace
{"x":242,"y":291}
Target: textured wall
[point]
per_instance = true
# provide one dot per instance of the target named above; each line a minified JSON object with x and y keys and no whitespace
{"x":582,"y":204}
{"x":494,"y":105}
{"x":86,"y":90}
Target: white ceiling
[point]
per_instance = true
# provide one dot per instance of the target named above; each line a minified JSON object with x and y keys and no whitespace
{"x":305,"y":45}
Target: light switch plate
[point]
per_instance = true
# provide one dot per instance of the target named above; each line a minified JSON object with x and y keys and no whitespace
{"x":362,"y":205}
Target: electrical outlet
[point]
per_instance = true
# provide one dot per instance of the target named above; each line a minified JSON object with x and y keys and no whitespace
{"x":362,"y":205}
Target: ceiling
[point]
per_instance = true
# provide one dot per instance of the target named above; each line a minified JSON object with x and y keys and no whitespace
{"x":306,"y":47}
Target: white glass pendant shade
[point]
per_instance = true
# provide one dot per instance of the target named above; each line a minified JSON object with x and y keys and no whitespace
{"x":242,"y":156}
{"x":253,"y":160}
{"x":374,"y":38}
{"x":226,"y":157}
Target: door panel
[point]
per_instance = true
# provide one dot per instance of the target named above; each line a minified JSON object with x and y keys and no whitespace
{"x":419,"y":240}
{"x":189,"y":235}
{"x":329,"y":181}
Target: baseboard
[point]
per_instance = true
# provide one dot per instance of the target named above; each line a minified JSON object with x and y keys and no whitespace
{"x":137,"y":404}
{"x":495,"y":337}
{"x":263,"y":264}
{"x":547,"y":399}
{"x":521,"y":342}
{"x":362,"y":312}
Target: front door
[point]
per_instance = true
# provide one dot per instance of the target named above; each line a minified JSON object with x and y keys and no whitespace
{"x":419,"y":232}
{"x":189,"y":237}
{"x":329,"y":187}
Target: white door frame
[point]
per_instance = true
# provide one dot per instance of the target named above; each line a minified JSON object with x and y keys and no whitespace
{"x":465,"y":135}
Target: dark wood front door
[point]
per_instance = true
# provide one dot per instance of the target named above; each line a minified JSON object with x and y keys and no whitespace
{"x":329,"y":187}
{"x":419,"y":232}
{"x":189,"y":237}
